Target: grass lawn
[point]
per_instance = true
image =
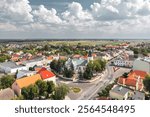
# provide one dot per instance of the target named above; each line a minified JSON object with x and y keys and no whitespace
{"x":76,"y":89}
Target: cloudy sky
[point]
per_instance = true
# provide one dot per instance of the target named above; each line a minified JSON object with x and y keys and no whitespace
{"x":42,"y":19}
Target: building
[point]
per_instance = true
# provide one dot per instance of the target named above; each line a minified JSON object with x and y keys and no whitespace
{"x":35,"y":62}
{"x":11,"y":67}
{"x":123,"y":63}
{"x":47,"y":75}
{"x":134,"y":80}
{"x":119,"y":92}
{"x":142,"y":64}
{"x":77,"y":64}
{"x":7,"y":94}
{"x":24,"y":82}
{"x":138,"y":96}
{"x":23,"y":73}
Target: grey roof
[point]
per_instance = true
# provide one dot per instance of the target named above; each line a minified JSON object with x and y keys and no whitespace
{"x":33,"y":60}
{"x":7,"y":94}
{"x":10,"y":64}
{"x":138,"y":95}
{"x":120,"y":90}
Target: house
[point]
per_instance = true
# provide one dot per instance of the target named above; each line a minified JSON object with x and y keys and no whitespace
{"x":142,"y":64}
{"x":123,"y":63}
{"x":11,"y":67}
{"x":24,"y":82}
{"x":15,"y":57}
{"x":23,"y":73}
{"x":134,"y":80}
{"x":7,"y":94}
{"x":138,"y":96}
{"x":35,"y":62}
{"x":47,"y":75}
{"x":119,"y":92}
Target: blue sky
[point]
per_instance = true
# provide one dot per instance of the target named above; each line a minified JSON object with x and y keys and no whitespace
{"x":60,"y":19}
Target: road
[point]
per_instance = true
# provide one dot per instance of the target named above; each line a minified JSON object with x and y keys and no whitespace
{"x":89,"y":90}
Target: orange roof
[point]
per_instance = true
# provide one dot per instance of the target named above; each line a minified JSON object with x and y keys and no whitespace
{"x":50,"y":58}
{"x":26,"y":81}
{"x":46,"y":74}
{"x":94,"y":55}
{"x":128,"y":82}
{"x":142,"y":74}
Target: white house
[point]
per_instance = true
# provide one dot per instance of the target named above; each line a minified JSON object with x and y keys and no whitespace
{"x":11,"y":67}
{"x":123,"y":63}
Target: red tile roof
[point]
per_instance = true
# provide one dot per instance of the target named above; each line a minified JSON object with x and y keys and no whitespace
{"x":45,"y":74}
{"x":142,"y":74}
{"x":132,"y":79}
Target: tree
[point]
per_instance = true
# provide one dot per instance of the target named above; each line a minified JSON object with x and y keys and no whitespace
{"x":6,"y":81}
{"x":147,"y":83}
{"x":68,"y":72}
{"x":53,"y":64}
{"x":33,"y":91}
{"x":88,"y":74}
{"x":50,"y":88}
{"x":125,"y":75}
{"x":60,"y":92}
{"x":42,"y":86}
{"x":25,"y":93}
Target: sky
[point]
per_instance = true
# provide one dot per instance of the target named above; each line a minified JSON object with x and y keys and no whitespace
{"x":74,"y":19}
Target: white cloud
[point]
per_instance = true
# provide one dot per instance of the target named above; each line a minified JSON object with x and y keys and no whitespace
{"x":15,"y":10}
{"x":46,"y":16}
{"x":75,"y":12}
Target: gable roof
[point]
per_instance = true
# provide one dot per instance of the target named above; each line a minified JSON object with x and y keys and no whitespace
{"x":7,"y":94}
{"x":45,"y":74}
{"x":120,"y":90}
{"x":26,"y":81}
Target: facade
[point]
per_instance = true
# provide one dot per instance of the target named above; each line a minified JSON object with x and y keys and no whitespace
{"x":142,"y":64}
{"x":11,"y":67}
{"x":123,"y":63}
{"x":24,"y":82}
{"x":119,"y":92}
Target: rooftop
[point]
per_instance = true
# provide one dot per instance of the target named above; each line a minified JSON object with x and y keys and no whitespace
{"x":26,"y":81}
{"x":7,"y":94}
{"x":120,"y":90}
{"x":138,"y":96}
{"x":10,"y":64}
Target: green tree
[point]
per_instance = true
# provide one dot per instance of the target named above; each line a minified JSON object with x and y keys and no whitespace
{"x":60,"y":92}
{"x":33,"y":91}
{"x":6,"y":81}
{"x":88,"y":74}
{"x":147,"y":83}
{"x":68,"y":72}
{"x":50,"y":88}
{"x":42,"y":86}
